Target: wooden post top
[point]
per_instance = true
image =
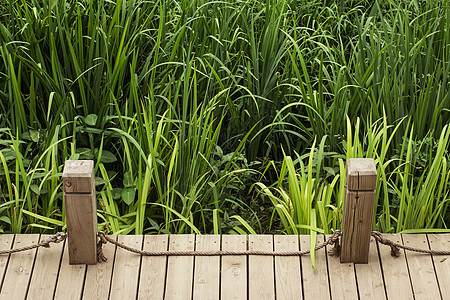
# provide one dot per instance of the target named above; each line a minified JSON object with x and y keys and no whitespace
{"x":78,"y":176}
{"x":361,"y":174}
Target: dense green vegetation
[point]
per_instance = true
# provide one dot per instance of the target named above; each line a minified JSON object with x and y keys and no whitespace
{"x":224,"y":116}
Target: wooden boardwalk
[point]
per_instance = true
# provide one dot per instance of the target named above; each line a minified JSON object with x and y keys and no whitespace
{"x":46,"y":274}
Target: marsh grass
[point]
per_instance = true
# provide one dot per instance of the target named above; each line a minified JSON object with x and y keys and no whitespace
{"x":185,"y":105}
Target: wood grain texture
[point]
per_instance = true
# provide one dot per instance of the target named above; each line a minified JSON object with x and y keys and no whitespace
{"x":261,"y":281}
{"x":315,"y":282}
{"x":153,"y":268}
{"x":427,"y":275}
{"x":288,"y":280}
{"x":81,"y":228}
{"x":207,"y":268}
{"x":77,"y":176}
{"x":342,"y":279}
{"x":70,"y":279}
{"x":395,"y":271}
{"x":6,"y":241}
{"x":421,"y":269}
{"x":441,"y":262}
{"x":361,"y":174}
{"x":234,"y":268}
{"x":98,"y":277}
{"x":357,"y":226}
{"x":45,"y":271}
{"x":369,"y":276}
{"x":80,"y":207}
{"x":180,"y":269}
{"x":358,"y":209}
{"x":20,"y":267}
{"x":125,"y":277}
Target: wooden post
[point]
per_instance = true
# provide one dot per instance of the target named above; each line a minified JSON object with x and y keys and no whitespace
{"x":358,"y":210}
{"x":81,"y":211}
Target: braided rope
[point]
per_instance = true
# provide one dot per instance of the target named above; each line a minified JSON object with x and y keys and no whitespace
{"x":332,"y":240}
{"x":57,"y":238}
{"x":395,"y":247}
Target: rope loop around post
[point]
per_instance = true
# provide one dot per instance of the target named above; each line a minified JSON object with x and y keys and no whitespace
{"x":395,"y":247}
{"x":100,"y":256}
{"x":56,"y":238}
{"x":335,"y":251}
{"x":395,"y":250}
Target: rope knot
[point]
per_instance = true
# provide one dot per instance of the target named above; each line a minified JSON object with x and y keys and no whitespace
{"x":395,"y":250}
{"x":335,"y":251}
{"x":57,"y":238}
{"x":102,"y":240}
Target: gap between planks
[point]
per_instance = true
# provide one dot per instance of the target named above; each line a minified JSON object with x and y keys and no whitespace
{"x":46,"y":273}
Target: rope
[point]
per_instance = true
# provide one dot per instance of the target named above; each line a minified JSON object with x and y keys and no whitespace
{"x":395,"y":247}
{"x":57,"y":238}
{"x":332,"y":240}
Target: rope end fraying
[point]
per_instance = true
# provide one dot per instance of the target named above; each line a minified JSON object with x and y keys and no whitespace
{"x":395,"y":251}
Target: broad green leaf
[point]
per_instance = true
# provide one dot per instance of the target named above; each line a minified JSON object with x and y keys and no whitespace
{"x":127,"y":179}
{"x":34,"y":135}
{"x":5,"y":219}
{"x":116,"y":193}
{"x":91,"y":119}
{"x":52,"y":3}
{"x":108,"y":157}
{"x":128,"y":195}
{"x":85,"y":153}
{"x":35,"y":189}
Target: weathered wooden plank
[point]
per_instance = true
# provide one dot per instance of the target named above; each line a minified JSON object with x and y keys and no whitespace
{"x":357,"y":226}
{"x":153,"y":268}
{"x":19,"y":269}
{"x":77,"y":176}
{"x":180,"y":269}
{"x":70,"y":279}
{"x":369,"y":276}
{"x":234,"y":268}
{"x":45,"y":271}
{"x":361,"y":174}
{"x":358,"y":209}
{"x":98,"y":277}
{"x":6,"y":241}
{"x":421,"y":270}
{"x":342,"y":279}
{"x":261,"y":281}
{"x":80,"y":207}
{"x":124,"y":283}
{"x":207,"y":268}
{"x":288,"y":279}
{"x":395,"y":271}
{"x":441,"y":262}
{"x":315,"y":283}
